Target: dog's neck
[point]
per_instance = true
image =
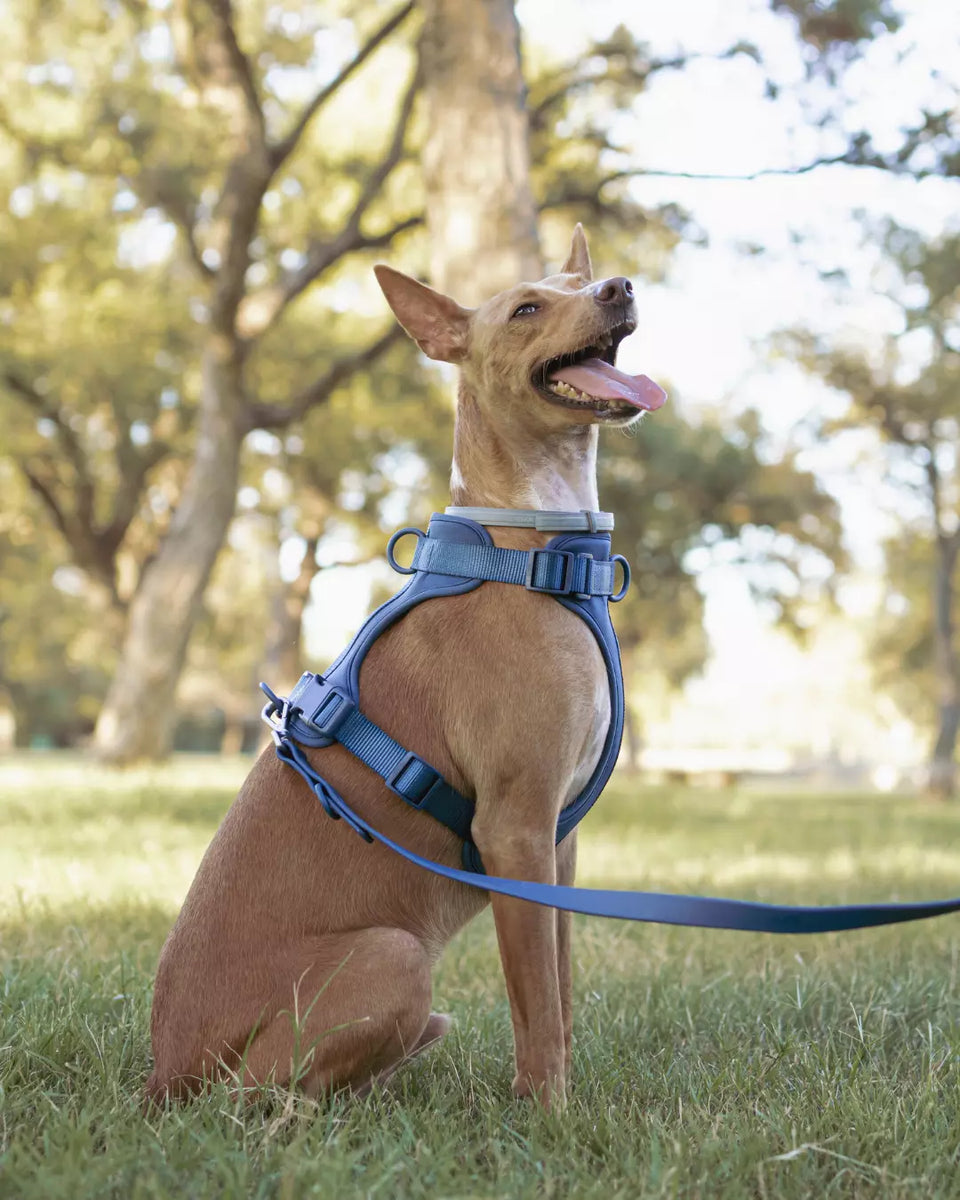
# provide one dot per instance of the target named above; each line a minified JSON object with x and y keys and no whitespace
{"x":503,"y":466}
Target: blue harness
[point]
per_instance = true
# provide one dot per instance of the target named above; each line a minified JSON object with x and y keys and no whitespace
{"x":455,"y":556}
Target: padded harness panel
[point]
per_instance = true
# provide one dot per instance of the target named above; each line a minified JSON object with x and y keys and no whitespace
{"x":324,"y":709}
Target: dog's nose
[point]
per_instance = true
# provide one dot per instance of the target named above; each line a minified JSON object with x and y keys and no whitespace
{"x":615,"y":291}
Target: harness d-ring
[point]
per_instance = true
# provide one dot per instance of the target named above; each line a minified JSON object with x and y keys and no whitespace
{"x":393,"y":541}
{"x":625,"y":567}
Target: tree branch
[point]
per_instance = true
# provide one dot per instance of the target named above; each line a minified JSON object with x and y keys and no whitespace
{"x":279,"y":416}
{"x":69,"y":441}
{"x":134,"y":468}
{"x":49,"y":499}
{"x":282,"y":150}
{"x":260,"y":311}
{"x":236,"y":63}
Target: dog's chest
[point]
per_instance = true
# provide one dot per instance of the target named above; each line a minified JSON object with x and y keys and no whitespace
{"x":495,"y":676}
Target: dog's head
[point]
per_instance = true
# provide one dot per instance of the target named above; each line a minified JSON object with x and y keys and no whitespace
{"x":544,"y":351}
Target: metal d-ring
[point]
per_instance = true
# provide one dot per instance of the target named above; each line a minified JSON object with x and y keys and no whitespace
{"x":393,"y":541}
{"x":625,"y":567}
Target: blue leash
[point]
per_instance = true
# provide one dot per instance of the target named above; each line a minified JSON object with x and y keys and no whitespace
{"x":664,"y":908}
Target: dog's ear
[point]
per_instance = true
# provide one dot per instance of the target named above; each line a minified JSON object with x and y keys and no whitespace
{"x":435,"y":322}
{"x":579,"y":261}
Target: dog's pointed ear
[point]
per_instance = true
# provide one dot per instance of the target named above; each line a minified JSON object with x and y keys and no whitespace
{"x":579,"y":261}
{"x":435,"y":322}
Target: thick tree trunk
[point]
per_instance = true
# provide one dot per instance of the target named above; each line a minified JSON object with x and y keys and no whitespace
{"x":481,"y":214}
{"x":943,"y":764}
{"x":137,"y":717}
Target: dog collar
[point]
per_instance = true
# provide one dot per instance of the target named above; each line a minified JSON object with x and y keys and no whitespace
{"x":548,"y":520}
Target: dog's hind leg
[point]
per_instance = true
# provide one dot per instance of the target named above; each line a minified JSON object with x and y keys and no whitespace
{"x":350,"y":1007}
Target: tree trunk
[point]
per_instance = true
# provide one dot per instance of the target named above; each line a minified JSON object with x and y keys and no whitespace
{"x":282,"y":662}
{"x":481,"y":214}
{"x":283,"y":656}
{"x":942,"y":781}
{"x":138,"y":715}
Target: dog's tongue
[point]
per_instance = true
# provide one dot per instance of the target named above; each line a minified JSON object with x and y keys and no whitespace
{"x":597,"y":378}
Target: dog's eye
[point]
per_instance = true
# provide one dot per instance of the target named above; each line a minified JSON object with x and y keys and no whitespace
{"x":524,"y":309}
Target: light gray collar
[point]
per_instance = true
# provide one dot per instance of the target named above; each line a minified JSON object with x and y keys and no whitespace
{"x":547,"y":520}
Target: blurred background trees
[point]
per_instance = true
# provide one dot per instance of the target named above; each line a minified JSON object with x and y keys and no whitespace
{"x":204,"y":403}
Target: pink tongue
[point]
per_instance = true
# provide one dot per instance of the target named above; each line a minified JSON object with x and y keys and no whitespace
{"x":597,"y":378}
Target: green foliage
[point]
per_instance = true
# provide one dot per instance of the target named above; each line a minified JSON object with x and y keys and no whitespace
{"x":901,"y":645}
{"x":54,"y":660}
{"x":832,"y":25}
{"x":120,"y":130}
{"x":705,"y":1063}
{"x":906,"y":393}
{"x":686,"y":495}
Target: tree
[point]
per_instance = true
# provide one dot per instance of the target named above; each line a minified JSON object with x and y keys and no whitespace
{"x":197,"y":129}
{"x":915,"y":413}
{"x":673,"y":488}
{"x":679,"y":489}
{"x":172,"y":153}
{"x":481,"y":209}
{"x":55,"y":653}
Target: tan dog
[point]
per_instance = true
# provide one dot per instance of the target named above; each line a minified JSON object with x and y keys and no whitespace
{"x":302,"y":954}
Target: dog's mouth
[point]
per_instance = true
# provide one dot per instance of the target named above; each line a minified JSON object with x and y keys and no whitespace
{"x":588,"y":379}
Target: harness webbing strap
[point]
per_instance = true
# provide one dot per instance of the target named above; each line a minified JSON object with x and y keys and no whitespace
{"x":317,"y":714}
{"x":664,"y":908}
{"x":559,"y":572}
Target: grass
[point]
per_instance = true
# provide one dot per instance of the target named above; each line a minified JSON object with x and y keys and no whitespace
{"x":706,"y":1064}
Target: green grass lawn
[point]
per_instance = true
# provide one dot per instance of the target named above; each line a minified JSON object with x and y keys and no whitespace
{"x":707,"y":1064}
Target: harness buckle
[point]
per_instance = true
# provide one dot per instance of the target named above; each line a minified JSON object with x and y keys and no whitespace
{"x":568,"y":577}
{"x":333,"y":712}
{"x":419,"y":787}
{"x":567,"y":558}
{"x":274,"y":714}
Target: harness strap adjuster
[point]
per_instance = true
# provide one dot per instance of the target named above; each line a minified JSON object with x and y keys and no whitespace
{"x":575,"y":573}
{"x":564,"y":557}
{"x":420,"y":783}
{"x":332,"y":714}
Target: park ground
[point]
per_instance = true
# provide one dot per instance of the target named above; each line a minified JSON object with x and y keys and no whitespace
{"x":706,"y":1064}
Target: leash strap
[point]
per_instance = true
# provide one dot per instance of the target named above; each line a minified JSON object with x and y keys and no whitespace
{"x":663,"y":908}
{"x":557,"y":572}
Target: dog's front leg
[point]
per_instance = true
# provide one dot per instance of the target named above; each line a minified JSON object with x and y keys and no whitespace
{"x":527,"y":935}
{"x":566,"y":873}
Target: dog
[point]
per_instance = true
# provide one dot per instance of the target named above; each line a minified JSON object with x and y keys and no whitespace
{"x":302,"y":955}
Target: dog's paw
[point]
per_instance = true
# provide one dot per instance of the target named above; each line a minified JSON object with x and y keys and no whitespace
{"x":547,"y":1088}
